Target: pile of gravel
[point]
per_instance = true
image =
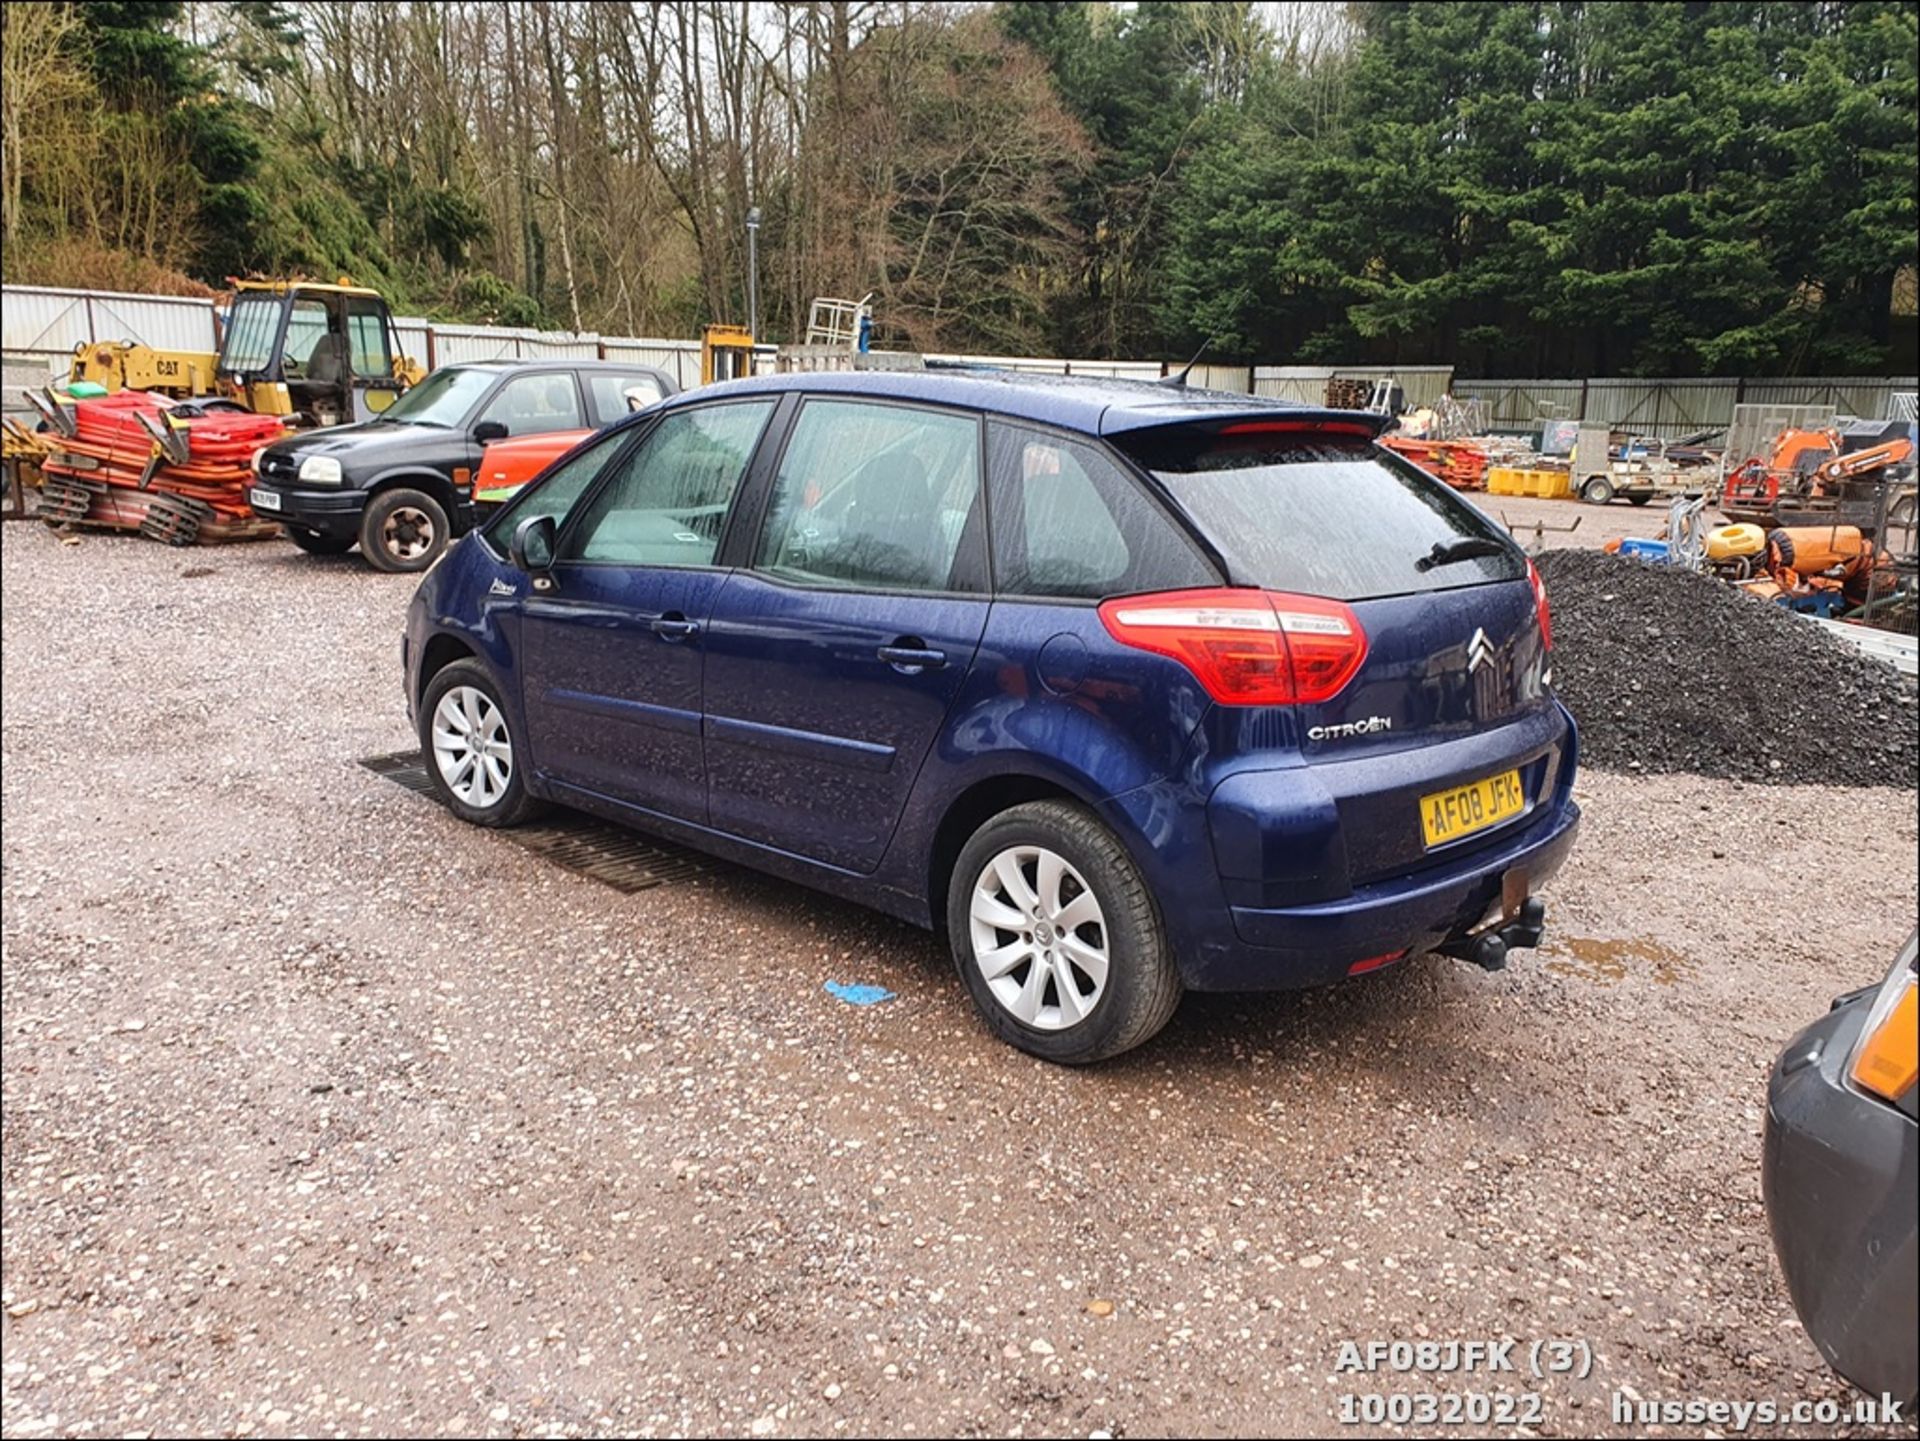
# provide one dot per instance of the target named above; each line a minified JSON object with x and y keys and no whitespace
{"x":1668,"y":670}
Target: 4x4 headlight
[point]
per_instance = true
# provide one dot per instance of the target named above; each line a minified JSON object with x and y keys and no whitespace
{"x":320,"y":470}
{"x":1883,"y":1062}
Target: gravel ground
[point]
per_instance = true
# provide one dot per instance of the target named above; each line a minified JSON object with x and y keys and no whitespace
{"x":324,"y":1114}
{"x":1573,"y":523}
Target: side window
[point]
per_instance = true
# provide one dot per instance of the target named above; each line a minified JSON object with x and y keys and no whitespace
{"x":1069,"y":522}
{"x":615,"y":396}
{"x":876,"y":495}
{"x":668,"y":501}
{"x":555,"y":494}
{"x":535,"y":404}
{"x":366,"y":329}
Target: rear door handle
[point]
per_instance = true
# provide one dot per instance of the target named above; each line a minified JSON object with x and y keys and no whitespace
{"x":911,"y":659}
{"x":675,"y":627}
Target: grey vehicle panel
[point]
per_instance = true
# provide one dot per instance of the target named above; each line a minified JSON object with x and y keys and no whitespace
{"x":1839,"y":1178}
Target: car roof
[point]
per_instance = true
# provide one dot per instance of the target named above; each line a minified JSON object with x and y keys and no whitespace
{"x":549,"y":362}
{"x":1093,"y":405}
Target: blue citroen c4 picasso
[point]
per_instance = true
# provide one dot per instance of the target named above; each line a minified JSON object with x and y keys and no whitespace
{"x":1127,"y":688}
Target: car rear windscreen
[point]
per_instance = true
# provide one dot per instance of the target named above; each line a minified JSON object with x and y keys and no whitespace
{"x":1327,"y":517}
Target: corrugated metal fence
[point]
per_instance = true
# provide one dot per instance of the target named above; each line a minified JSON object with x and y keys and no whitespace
{"x":37,"y":321}
{"x":40,"y":323}
{"x":1673,"y":408}
{"x":1307,"y":384}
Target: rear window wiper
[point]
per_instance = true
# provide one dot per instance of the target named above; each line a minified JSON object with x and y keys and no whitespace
{"x":1444,"y":553}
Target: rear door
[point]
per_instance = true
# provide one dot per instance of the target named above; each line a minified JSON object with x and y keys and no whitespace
{"x":832,"y":660}
{"x":612,"y":654}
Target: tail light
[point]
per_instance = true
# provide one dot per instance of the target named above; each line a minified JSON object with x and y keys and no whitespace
{"x":1540,"y":605}
{"x":1247,"y":647}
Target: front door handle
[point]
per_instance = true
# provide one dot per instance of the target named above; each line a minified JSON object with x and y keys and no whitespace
{"x":674,"y":627}
{"x":912,"y":659}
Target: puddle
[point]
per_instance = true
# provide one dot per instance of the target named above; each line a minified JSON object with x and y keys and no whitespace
{"x":1610,"y":962}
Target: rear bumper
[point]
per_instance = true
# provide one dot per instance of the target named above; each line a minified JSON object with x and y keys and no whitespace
{"x":1839,"y":1176}
{"x":1310,"y":945}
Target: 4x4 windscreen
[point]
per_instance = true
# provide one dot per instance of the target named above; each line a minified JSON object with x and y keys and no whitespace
{"x":1322,"y":516}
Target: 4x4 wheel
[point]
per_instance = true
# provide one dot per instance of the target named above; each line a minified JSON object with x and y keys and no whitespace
{"x":469,"y":748}
{"x":403,"y":530}
{"x":1597,"y":491}
{"x":1057,"y":937}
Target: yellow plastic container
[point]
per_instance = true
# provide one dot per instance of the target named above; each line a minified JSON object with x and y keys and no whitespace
{"x":1511,"y":480}
{"x":1731,"y":542}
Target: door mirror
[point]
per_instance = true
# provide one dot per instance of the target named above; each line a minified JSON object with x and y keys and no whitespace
{"x":488,"y":431}
{"x":532,"y":547}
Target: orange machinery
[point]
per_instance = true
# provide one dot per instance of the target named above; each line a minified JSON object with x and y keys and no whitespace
{"x":1813,"y":473}
{"x":1802,"y":563}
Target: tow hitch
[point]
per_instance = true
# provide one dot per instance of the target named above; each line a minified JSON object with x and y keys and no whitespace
{"x":1488,"y":949}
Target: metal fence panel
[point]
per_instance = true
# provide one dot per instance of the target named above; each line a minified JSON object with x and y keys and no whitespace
{"x":413,"y":337}
{"x":1307,"y":384}
{"x":1666,"y":408}
{"x":45,"y":321}
{"x":558,"y":345}
{"x":1755,"y":426}
{"x":1116,"y":369}
{"x":464,"y":344}
{"x":1523,"y":404}
{"x":1869,"y":397}
{"x":1304,"y":384}
{"x":679,"y":358}
{"x":1220,"y":377}
{"x":1029,"y":363}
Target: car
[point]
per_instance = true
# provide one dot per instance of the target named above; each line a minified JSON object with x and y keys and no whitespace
{"x":1838,"y":1177}
{"x":506,"y":465}
{"x":1123,"y":688}
{"x":401,"y":486}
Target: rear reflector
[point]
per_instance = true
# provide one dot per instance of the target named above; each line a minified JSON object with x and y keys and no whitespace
{"x":1374,"y":963}
{"x":1247,"y":647}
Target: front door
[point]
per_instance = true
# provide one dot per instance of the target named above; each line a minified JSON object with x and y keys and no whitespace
{"x":832,"y":663}
{"x":612,"y":652}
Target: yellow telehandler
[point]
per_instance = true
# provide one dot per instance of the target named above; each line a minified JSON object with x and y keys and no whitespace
{"x":316,"y":354}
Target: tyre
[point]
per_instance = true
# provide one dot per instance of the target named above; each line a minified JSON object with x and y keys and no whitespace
{"x":1057,"y":937}
{"x":1597,"y":491}
{"x":403,"y":530}
{"x":1640,"y":497}
{"x":314,"y":543}
{"x":469,"y":748}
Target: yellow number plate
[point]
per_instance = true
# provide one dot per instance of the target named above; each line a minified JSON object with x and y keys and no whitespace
{"x":1449,"y":815}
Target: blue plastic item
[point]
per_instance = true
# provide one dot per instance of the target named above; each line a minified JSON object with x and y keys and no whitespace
{"x":1644,"y":549}
{"x":859,"y":995}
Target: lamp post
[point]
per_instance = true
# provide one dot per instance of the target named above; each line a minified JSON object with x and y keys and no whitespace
{"x":753,"y":272}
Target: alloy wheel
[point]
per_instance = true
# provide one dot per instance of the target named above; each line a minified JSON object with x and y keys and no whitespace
{"x":471,"y":746}
{"x":1039,"y":937}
